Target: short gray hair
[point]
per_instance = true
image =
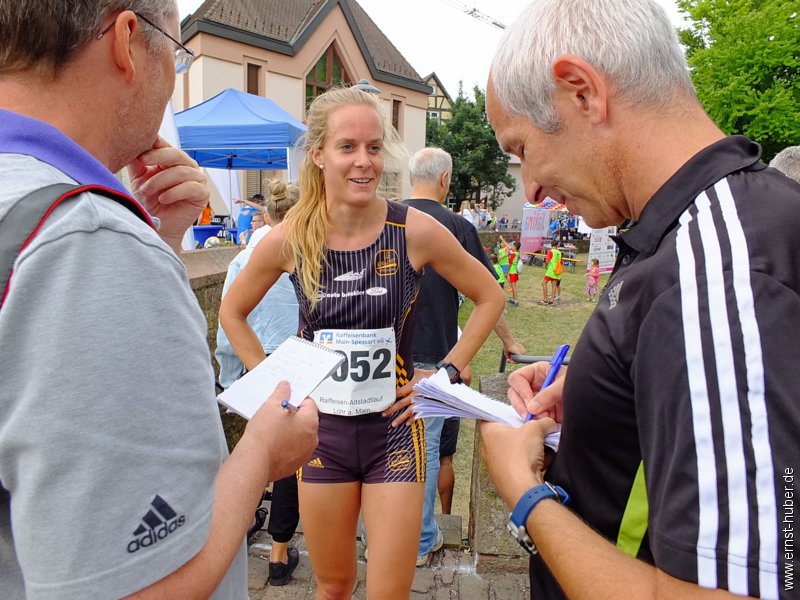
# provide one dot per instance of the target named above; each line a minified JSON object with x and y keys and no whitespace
{"x":428,"y":164}
{"x":787,"y":161}
{"x":630,"y":41}
{"x":44,"y":35}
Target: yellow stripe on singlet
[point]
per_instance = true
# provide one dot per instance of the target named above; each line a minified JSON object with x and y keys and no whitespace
{"x":395,"y":224}
{"x":418,"y":439}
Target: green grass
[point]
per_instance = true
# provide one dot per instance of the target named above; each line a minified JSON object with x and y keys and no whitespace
{"x":540,"y":329}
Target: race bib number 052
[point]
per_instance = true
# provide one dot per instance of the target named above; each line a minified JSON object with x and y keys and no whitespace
{"x":365,"y":381}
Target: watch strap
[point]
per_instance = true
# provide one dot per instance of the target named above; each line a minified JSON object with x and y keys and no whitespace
{"x":453,"y":372}
{"x":524,"y":507}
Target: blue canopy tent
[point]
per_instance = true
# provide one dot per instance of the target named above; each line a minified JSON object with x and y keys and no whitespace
{"x":236,"y":130}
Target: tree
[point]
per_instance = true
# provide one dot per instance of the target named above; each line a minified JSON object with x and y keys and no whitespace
{"x":480,"y":168}
{"x":745,"y":61}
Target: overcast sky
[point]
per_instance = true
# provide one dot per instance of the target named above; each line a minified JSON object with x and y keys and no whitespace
{"x":433,"y":35}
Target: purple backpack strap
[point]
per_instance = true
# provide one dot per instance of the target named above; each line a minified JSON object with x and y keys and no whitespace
{"x":20,"y":225}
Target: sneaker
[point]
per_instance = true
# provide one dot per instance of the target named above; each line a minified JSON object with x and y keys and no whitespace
{"x":280,"y":573}
{"x":557,"y":299}
{"x":258,"y":523}
{"x":514,"y":302}
{"x":544,"y":302}
{"x":423,"y":559}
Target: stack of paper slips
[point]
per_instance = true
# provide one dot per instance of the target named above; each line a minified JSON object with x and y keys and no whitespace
{"x":437,"y":397}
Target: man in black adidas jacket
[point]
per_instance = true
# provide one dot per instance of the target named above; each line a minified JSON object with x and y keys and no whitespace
{"x":679,"y":410}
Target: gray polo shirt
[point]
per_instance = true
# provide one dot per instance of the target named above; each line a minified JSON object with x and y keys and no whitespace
{"x":110,"y":439}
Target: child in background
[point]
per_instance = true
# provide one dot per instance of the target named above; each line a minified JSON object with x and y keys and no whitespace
{"x":552,"y":277}
{"x":592,"y":278}
{"x":513,"y":272}
{"x":502,"y":255}
{"x":205,"y":216}
{"x":501,"y":278}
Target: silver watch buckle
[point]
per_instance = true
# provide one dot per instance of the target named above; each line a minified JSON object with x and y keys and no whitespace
{"x":521,"y":535}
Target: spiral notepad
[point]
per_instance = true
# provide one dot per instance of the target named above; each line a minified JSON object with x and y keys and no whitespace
{"x":437,"y":397}
{"x":304,"y":364}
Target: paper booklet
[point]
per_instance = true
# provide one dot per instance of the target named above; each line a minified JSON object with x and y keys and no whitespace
{"x":302,"y":363}
{"x":437,"y":397}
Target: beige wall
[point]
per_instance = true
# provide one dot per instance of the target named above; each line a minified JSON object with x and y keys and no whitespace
{"x":215,"y":76}
{"x":223,"y":63}
{"x":287,"y":92}
{"x":513,"y":205}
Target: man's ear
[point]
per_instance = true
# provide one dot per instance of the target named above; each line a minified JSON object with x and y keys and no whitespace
{"x":444,"y":181}
{"x":582,"y":85}
{"x":125,"y":26}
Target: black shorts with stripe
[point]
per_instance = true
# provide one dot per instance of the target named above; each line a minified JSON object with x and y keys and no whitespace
{"x":366,"y":448}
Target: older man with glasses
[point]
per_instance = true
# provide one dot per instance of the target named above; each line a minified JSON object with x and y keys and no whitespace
{"x":114,"y":478}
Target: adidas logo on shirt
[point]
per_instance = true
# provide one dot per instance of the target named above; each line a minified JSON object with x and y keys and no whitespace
{"x":159,"y":521}
{"x":317,"y":463}
{"x":613,"y":295}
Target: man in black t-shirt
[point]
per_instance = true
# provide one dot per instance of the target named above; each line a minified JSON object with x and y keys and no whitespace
{"x":436,"y":330}
{"x":679,"y":411}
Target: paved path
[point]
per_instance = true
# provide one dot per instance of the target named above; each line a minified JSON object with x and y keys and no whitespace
{"x":449,"y":576}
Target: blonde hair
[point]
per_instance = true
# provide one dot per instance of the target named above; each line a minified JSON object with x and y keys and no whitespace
{"x":282,"y":197}
{"x":307,"y":222}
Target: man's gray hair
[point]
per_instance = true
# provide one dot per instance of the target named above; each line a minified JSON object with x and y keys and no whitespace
{"x":44,"y":35}
{"x":428,"y":164}
{"x":787,"y":161}
{"x":630,"y":41}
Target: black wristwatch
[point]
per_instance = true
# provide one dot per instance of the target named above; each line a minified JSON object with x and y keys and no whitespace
{"x":453,"y":372}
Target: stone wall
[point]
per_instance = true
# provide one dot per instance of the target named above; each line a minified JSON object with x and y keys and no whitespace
{"x":207,"y":269}
{"x":490,"y":238}
{"x":494,"y":549}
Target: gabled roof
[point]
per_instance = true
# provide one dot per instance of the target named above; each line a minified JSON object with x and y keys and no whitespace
{"x":285,"y":25}
{"x":439,"y":85}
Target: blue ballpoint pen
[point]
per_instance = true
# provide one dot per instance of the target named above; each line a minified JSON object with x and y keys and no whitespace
{"x":555,"y":365}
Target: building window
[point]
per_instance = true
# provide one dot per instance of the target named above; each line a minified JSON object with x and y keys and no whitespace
{"x":433,"y":115}
{"x":396,"y":114}
{"x":327,"y":73}
{"x":253,"y":77}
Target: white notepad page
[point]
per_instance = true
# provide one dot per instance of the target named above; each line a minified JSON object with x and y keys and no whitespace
{"x":302,"y":363}
{"x":437,"y":397}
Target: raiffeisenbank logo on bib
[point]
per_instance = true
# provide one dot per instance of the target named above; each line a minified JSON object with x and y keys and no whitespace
{"x":159,"y":521}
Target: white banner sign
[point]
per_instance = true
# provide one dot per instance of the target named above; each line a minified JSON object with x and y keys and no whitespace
{"x":603,"y":248}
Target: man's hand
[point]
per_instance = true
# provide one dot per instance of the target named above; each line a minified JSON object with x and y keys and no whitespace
{"x":512,"y":347}
{"x":515,"y":456}
{"x":171,"y":187}
{"x":401,"y":409}
{"x":525,"y":395}
{"x":286,"y":438}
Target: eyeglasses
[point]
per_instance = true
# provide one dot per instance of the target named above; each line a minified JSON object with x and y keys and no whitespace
{"x":183,"y":55}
